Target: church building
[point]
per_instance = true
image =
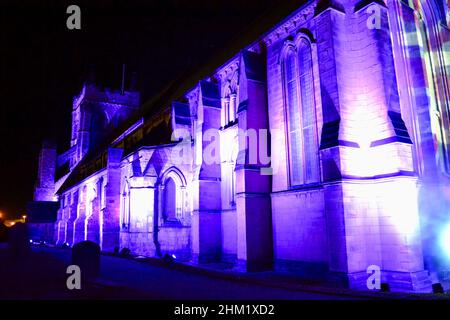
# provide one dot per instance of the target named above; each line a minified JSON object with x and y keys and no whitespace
{"x":319,"y":147}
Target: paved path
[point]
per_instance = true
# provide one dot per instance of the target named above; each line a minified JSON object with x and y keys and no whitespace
{"x":43,"y":276}
{"x":174,"y":284}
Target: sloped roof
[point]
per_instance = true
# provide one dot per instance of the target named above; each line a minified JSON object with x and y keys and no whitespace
{"x":156,"y":108}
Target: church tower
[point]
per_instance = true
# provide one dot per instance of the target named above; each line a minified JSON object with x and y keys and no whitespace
{"x":95,"y":114}
{"x":45,"y":184}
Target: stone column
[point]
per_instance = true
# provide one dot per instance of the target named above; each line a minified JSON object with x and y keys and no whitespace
{"x":93,"y":222}
{"x":253,"y":202}
{"x":206,"y":218}
{"x":73,"y":216}
{"x":61,"y":225}
{"x":370,"y":183}
{"x":79,"y":225}
{"x":111,"y":213}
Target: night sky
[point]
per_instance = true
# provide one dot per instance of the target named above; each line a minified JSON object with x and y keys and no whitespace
{"x":43,"y":65}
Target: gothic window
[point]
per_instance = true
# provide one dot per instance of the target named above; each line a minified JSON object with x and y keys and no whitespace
{"x":125,"y":208}
{"x":232,"y":107}
{"x":308,"y":112}
{"x":229,"y":100}
{"x":103,"y":206}
{"x":170,"y":200}
{"x":437,"y":90}
{"x":226,"y":112}
{"x":447,"y":6}
{"x":301,"y":116}
{"x":294,"y":134}
{"x":172,"y":195}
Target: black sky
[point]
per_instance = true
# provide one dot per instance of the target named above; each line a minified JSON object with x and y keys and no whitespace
{"x":43,"y":64}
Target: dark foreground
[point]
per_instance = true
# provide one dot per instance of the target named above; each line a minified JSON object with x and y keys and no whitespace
{"x":41,"y":274}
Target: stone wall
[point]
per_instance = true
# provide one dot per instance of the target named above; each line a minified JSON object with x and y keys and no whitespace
{"x":380,"y":144}
{"x":299,"y":226}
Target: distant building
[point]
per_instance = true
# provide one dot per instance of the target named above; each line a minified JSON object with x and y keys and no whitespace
{"x":351,"y":101}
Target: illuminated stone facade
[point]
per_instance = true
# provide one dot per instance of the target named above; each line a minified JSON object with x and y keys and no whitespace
{"x":349,"y":99}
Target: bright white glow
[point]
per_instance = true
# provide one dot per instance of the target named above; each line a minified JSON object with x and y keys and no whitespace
{"x":174,"y":256}
{"x":399,"y":205}
{"x":363,"y":121}
{"x":445,"y":240}
{"x":141,"y":208}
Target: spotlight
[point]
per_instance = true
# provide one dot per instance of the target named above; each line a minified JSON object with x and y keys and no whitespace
{"x":168,"y":259}
{"x":385,"y":287}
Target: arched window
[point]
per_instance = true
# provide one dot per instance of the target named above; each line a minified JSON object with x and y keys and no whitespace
{"x":301,"y":115}
{"x":232,"y":107}
{"x":230,"y":100}
{"x":293,"y":115}
{"x":170,"y":200}
{"x":438,"y":91}
{"x":126,"y":208}
{"x":308,"y":113}
{"x":172,"y":196}
{"x":229,"y":106}
{"x":225,"y":111}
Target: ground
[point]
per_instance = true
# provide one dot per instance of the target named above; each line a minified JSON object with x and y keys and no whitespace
{"x":42,"y":275}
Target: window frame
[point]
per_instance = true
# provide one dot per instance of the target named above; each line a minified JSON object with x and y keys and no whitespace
{"x":292,"y":47}
{"x":180,"y":196}
{"x":165,"y":215}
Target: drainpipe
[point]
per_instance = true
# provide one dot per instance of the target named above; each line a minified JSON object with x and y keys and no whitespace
{"x":156,"y":221}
